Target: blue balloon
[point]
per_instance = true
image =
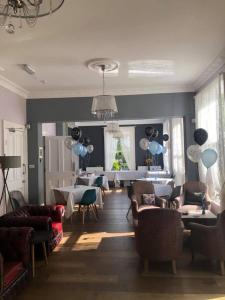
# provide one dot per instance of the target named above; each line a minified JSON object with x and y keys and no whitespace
{"x":84,"y":152}
{"x":164,"y":150}
{"x":159,"y":150}
{"x":78,"y":148}
{"x":153,"y":147}
{"x":209,"y":157}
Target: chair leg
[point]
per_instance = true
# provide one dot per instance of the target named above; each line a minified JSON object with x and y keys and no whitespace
{"x":146,"y":267}
{"x":222,"y":267}
{"x":83,"y":210}
{"x":93,"y":211}
{"x":128,"y":211}
{"x":96,"y":210}
{"x":45,"y":252}
{"x":79,"y":208}
{"x":192,"y":255}
{"x":33,"y":260}
{"x":174,"y":267}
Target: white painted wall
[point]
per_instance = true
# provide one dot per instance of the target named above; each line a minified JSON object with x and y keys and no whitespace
{"x":12,"y":108}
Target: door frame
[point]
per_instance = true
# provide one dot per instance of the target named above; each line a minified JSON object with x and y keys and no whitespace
{"x":18,"y":127}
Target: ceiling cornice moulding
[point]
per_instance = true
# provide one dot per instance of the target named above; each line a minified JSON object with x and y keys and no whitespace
{"x":215,"y":68}
{"x":116,"y":92}
{"x":13,"y":87}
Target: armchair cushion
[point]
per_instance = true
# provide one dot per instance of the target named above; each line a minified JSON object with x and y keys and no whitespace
{"x":148,"y":199}
{"x":12,"y":270}
{"x":194,"y":198}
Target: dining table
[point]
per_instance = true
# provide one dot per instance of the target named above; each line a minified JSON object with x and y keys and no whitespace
{"x":161,"y":186}
{"x":73,"y":195}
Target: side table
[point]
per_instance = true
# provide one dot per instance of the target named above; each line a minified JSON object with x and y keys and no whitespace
{"x":39,"y":237}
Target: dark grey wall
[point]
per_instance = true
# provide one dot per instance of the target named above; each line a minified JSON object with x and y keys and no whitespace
{"x":130,"y":107}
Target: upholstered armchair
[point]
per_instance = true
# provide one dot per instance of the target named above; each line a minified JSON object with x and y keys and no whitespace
{"x":159,"y":236}
{"x":185,"y":203}
{"x":209,"y":240}
{"x":137,"y":205}
{"x":14,"y":257}
{"x":40,"y":218}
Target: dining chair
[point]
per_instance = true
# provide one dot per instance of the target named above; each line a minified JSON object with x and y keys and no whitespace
{"x":60,"y":200}
{"x":99,"y":183}
{"x":87,"y":203}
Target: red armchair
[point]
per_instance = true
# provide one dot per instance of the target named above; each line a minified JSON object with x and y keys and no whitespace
{"x":210,"y":240}
{"x":40,"y":218}
{"x":14,"y":257}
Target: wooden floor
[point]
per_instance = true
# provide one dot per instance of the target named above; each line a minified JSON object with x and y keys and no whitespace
{"x":98,"y":261}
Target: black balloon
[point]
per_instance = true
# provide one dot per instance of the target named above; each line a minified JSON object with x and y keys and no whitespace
{"x":76,"y":133}
{"x":155,"y":133}
{"x":81,"y":140}
{"x":87,"y":141}
{"x":166,"y":137}
{"x":149,"y":131}
{"x":200,"y":136}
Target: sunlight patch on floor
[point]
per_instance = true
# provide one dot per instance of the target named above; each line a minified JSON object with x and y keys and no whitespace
{"x":91,"y":241}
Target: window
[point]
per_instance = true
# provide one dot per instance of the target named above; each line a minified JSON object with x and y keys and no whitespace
{"x":120,"y":149}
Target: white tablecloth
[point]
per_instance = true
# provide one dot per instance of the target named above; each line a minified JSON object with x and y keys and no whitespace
{"x":73,"y":195}
{"x":122,"y":175}
{"x":162,"y":189}
{"x":157,"y":180}
{"x":90,"y":180}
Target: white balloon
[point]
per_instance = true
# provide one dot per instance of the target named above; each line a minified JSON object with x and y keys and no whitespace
{"x":69,"y":142}
{"x":194,"y":153}
{"x":90,"y":148}
{"x":144,"y":144}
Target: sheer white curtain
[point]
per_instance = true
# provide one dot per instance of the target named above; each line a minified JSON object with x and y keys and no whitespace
{"x":177,"y":149}
{"x":167,"y":155}
{"x":128,"y":146}
{"x":210,"y":115}
{"x":110,"y":149}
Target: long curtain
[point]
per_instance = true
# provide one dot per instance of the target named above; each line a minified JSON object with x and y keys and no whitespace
{"x":210,"y":115}
{"x":167,"y":144}
{"x":128,"y":145}
{"x":177,"y":149}
{"x":110,"y":149}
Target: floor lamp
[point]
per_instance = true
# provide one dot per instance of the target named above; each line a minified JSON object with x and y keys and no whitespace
{"x":6,"y":163}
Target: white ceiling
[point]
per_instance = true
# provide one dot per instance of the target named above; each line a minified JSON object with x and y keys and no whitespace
{"x":191,"y":33}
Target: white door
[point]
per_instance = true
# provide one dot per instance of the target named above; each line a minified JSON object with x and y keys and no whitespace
{"x":60,"y":165}
{"x":15,"y":144}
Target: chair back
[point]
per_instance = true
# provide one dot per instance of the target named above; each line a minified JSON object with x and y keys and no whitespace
{"x":17,"y":199}
{"x":194,"y":187}
{"x":175,"y":192}
{"x":142,"y":187}
{"x":221,"y":224}
{"x":59,"y":198}
{"x":89,"y":197}
{"x":99,"y":181}
{"x":159,"y":234}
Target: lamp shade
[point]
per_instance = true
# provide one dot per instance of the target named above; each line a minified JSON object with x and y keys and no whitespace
{"x":104,"y":106}
{"x":10,"y":162}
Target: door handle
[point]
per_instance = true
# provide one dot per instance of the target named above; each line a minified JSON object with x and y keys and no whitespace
{"x":24,"y":169}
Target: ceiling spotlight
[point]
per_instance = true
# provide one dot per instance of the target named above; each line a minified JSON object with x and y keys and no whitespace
{"x":28,"y":68}
{"x":10,"y":28}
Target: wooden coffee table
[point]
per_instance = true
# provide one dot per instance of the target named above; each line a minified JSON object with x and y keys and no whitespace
{"x":208,"y":218}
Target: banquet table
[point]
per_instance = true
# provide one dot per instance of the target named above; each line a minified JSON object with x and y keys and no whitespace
{"x":73,"y":195}
{"x":90,"y":180}
{"x":162,"y":189}
{"x":158,"y":180}
{"x":123,"y":175}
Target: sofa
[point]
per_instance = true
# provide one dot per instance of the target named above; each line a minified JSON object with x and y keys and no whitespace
{"x":14,"y":258}
{"x":40,"y":218}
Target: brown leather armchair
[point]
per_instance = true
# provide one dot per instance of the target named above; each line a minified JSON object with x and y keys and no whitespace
{"x":159,"y":236}
{"x":210,"y":240}
{"x":139,"y":188}
{"x":192,"y":187}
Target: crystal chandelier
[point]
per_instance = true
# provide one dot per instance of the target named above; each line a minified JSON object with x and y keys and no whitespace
{"x":30,"y":10}
{"x":104,"y":106}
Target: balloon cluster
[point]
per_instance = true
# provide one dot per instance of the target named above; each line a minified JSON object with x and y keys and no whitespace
{"x":149,"y":144}
{"x":80,"y":145}
{"x":195,"y":153}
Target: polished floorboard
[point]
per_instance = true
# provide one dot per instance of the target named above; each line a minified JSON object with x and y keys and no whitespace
{"x":98,"y":261}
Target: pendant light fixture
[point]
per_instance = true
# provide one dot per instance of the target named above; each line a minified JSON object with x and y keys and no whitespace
{"x":104,"y":106}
